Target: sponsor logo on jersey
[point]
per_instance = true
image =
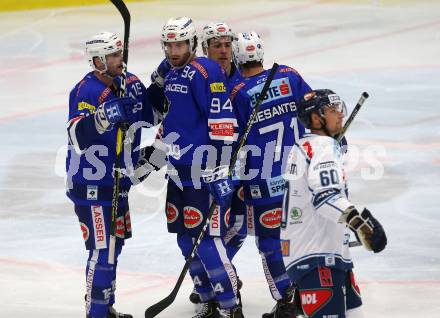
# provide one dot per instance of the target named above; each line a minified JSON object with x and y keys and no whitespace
{"x":313,"y":300}
{"x":271,"y":219}
{"x":279,"y":88}
{"x":222,"y":129}
{"x":255,"y":191}
{"x":285,"y":247}
{"x":171,"y":212}
{"x":127,"y":221}
{"x":227,"y":217}
{"x":104,"y":95}
{"x":85,"y":231}
{"x":123,"y":194}
{"x":120,"y":227}
{"x":325,"y":276}
{"x":217,"y":87}
{"x":330,"y":261}
{"x":177,"y":88}
{"x":200,"y":68}
{"x":276,"y":186}
{"x":92,"y":192}
{"x":214,"y":224}
{"x":84,"y":105}
{"x":250,"y":219}
{"x":295,"y":215}
{"x":354,"y":285}
{"x":99,"y":226}
{"x":240,"y":194}
{"x":192,"y":217}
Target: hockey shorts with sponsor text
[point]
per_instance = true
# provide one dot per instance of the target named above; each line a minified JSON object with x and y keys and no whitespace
{"x":95,"y":225}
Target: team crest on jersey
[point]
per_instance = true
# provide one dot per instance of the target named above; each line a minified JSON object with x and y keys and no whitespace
{"x":271,"y":219}
{"x":171,"y":212}
{"x":192,"y":217}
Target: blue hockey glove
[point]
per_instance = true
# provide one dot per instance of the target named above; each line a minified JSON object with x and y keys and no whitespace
{"x":368,"y":230}
{"x":219,"y":185}
{"x":112,"y":112}
{"x":158,"y":76}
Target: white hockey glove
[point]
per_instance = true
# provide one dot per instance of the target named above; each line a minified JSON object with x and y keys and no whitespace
{"x":367,"y":229}
{"x":158,"y":76}
{"x":151,"y":159}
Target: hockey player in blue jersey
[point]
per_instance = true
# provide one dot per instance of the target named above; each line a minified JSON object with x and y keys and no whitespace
{"x":204,"y":127}
{"x":318,"y":214}
{"x":216,"y":41}
{"x":274,"y":131}
{"x":94,"y":113}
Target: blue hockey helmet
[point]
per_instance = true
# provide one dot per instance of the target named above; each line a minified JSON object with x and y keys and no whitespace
{"x":316,"y":101}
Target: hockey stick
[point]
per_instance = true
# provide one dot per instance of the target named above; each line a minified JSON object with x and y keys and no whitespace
{"x":120,"y":135}
{"x":350,"y":119}
{"x":353,"y":114}
{"x":155,"y":309}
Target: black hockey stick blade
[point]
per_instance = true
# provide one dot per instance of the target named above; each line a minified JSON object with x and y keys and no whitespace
{"x":158,"y":307}
{"x":353,"y":114}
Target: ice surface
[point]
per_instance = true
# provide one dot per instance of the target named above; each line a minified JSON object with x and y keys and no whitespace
{"x":389,"y":48}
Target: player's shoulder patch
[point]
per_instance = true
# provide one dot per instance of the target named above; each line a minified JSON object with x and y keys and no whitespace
{"x":132,"y":78}
{"x":78,"y":89}
{"x":104,"y":95}
{"x":287,"y":69}
{"x":200,"y":68}
{"x":236,"y":89}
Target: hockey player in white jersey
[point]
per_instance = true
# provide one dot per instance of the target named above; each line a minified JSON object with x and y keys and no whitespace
{"x":318,"y":215}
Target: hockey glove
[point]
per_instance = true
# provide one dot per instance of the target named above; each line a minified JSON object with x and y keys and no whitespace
{"x":150,"y":159}
{"x":112,"y":112}
{"x":158,"y":76}
{"x":219,"y":185}
{"x":368,"y":230}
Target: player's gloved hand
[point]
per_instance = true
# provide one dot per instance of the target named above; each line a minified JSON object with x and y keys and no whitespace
{"x":368,"y":230}
{"x":219,"y":185}
{"x":343,"y":143}
{"x":158,"y":76}
{"x":112,"y":112}
{"x":151,"y":158}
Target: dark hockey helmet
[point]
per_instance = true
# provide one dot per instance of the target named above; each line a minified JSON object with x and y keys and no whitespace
{"x":315,"y":101}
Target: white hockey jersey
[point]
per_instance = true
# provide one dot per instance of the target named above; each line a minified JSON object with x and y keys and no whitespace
{"x":311,"y":234}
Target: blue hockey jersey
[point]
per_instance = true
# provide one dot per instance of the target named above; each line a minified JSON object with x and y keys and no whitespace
{"x":91,"y":156}
{"x":273,"y":132}
{"x":200,"y":121}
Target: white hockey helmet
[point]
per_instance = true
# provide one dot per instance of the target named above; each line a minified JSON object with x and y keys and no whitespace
{"x":100,"y":45}
{"x":179,"y":29}
{"x":247,"y":47}
{"x":215,"y":30}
